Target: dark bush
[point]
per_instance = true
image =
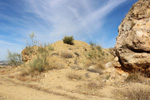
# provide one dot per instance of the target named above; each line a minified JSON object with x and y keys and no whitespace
{"x":68,"y":40}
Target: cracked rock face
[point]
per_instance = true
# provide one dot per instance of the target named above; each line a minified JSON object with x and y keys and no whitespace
{"x":133,"y":42}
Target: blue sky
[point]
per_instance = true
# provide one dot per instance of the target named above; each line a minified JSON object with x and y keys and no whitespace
{"x":51,"y":20}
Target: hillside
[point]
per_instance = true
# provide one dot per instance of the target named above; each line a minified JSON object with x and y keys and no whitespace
{"x":60,"y":55}
{"x":75,"y":70}
{"x":68,"y":72}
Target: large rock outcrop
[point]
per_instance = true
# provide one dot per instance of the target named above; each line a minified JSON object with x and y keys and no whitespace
{"x":28,"y":53}
{"x":133,"y":42}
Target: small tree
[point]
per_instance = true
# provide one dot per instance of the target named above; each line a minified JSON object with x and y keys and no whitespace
{"x":32,"y":37}
{"x":14,"y":59}
{"x":68,"y":40}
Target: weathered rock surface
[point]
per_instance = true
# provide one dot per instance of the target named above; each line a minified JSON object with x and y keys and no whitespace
{"x":133,"y":42}
{"x":28,"y":52}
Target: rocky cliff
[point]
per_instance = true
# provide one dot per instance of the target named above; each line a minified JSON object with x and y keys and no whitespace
{"x":133,"y":41}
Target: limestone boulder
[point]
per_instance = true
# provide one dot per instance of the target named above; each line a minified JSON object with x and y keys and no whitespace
{"x":133,"y":41}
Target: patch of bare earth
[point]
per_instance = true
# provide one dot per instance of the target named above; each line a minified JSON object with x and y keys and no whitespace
{"x":55,"y":85}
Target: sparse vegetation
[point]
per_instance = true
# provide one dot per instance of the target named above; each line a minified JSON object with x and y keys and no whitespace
{"x":41,"y":63}
{"x":138,"y":77}
{"x":68,"y":40}
{"x":99,"y":48}
{"x":42,"y":49}
{"x":32,"y":36}
{"x":94,"y":85}
{"x":97,"y":57}
{"x":29,"y":50}
{"x":92,"y":44}
{"x":107,"y":76}
{"x":87,"y":71}
{"x":135,"y":92}
{"x":39,"y":57}
{"x":74,"y":76}
{"x":95,"y":52}
{"x":30,"y":47}
{"x":14,"y":59}
{"x":50,"y":48}
{"x":66,"y":54}
{"x":100,"y":65}
{"x":91,"y":88}
{"x":135,"y":77}
{"x":37,"y":64}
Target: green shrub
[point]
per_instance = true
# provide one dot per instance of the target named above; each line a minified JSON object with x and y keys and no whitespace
{"x":95,"y":54}
{"x":42,"y":63}
{"x":92,"y":54}
{"x":68,"y":40}
{"x":30,"y":46}
{"x":92,"y":44}
{"x":37,"y":65}
{"x":99,"y":48}
{"x":32,"y":37}
{"x":50,"y":48}
{"x":14,"y":59}
{"x":96,"y":51}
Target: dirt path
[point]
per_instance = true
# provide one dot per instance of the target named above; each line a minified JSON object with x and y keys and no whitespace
{"x":13,"y":91}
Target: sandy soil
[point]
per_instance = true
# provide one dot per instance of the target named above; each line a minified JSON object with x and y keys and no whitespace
{"x":58,"y":87}
{"x":12,"y":91}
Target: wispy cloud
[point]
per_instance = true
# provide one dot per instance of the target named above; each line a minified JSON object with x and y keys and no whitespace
{"x":5,"y":46}
{"x":72,"y":17}
{"x":7,"y":43}
{"x":51,"y":20}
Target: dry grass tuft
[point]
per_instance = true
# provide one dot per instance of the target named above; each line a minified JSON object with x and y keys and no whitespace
{"x":93,"y":85}
{"x":66,"y":54}
{"x":75,"y":76}
{"x":137,"y":77}
{"x":98,"y":57}
{"x":91,"y":88}
{"x":135,"y":92}
{"x":100,"y":65}
{"x":134,"y":77}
